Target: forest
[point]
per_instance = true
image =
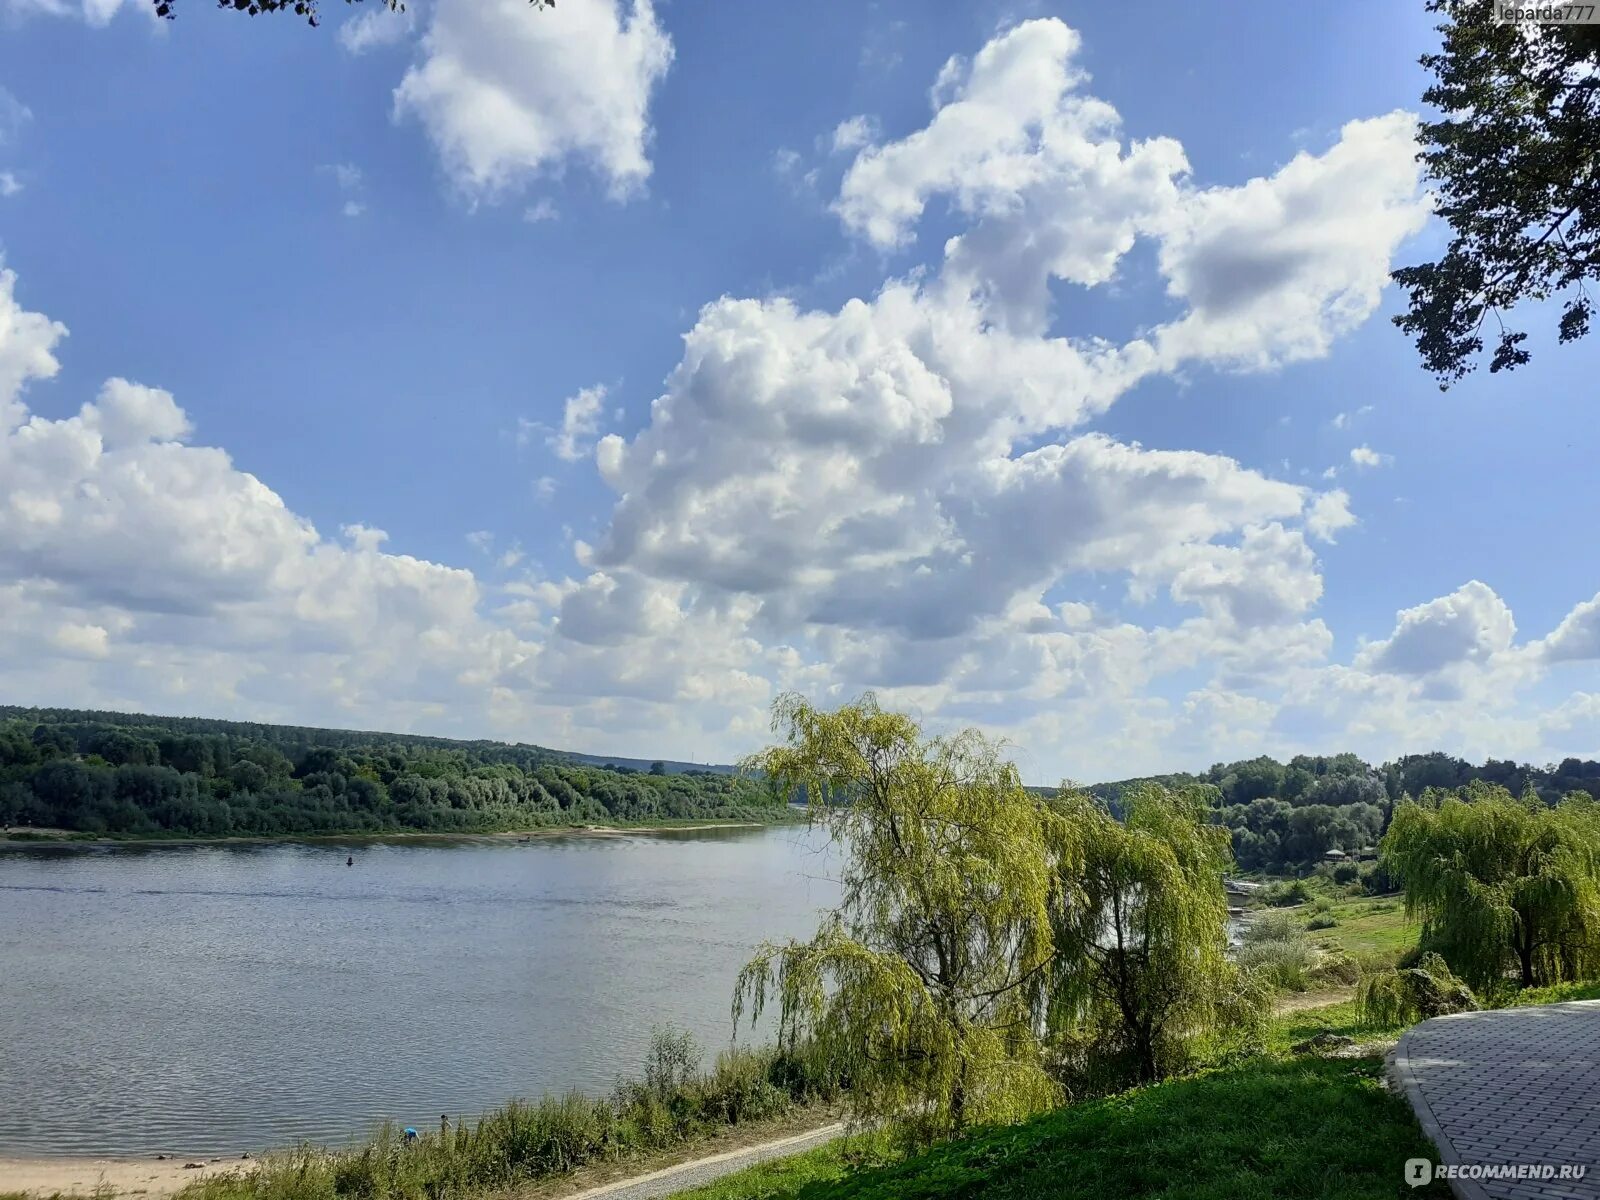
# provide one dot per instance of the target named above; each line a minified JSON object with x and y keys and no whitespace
{"x":1286,"y":817}
{"x":129,"y":774}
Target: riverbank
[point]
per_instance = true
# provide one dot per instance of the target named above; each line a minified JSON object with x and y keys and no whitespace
{"x":721,"y":1152}
{"x":67,"y":837}
{"x":105,"y":1176}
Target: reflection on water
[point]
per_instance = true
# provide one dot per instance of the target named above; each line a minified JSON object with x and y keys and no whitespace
{"x":213,"y":999}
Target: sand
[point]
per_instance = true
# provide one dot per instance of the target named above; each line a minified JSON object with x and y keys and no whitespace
{"x":118,"y":1176}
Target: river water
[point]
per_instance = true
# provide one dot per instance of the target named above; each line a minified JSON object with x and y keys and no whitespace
{"x":215,"y":999}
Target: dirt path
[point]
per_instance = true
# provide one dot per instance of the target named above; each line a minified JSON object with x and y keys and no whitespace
{"x":1299,"y":1001}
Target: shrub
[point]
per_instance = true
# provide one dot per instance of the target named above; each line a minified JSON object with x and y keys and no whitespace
{"x":1346,"y":872}
{"x":1322,"y":921}
{"x":1287,"y":892}
{"x":1403,"y":995}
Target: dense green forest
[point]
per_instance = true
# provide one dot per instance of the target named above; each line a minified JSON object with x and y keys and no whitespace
{"x":1287,"y":816}
{"x":124,"y":773}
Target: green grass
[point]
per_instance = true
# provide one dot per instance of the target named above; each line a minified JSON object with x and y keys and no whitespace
{"x":1259,"y":1130}
{"x":1556,"y":993}
{"x":1367,"y":925}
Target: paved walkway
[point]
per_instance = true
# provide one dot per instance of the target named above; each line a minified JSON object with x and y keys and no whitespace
{"x":703,"y":1170}
{"x":1508,"y":1087}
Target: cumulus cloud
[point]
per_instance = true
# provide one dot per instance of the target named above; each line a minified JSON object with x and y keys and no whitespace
{"x":507,"y":94}
{"x":1366,"y":456}
{"x":1329,"y":513}
{"x":1469,"y":625}
{"x":1577,"y":638}
{"x":1270,"y":272}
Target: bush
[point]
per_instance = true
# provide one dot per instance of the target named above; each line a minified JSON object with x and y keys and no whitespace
{"x":1287,"y":892}
{"x":1346,"y":872}
{"x":1322,"y":921}
{"x":1405,"y":995}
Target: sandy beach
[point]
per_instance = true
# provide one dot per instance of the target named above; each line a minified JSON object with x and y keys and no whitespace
{"x":116,"y":1176}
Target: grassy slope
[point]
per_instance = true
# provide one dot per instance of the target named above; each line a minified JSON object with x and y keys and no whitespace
{"x":1260,"y":1130}
{"x":1368,"y":924}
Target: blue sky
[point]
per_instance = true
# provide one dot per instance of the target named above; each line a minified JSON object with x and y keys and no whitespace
{"x":812,"y":298}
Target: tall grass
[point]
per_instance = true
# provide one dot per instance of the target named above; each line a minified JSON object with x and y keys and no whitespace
{"x":1273,"y":946}
{"x":529,"y":1140}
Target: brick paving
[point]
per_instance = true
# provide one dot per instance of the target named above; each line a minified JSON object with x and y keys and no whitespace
{"x":1510,"y":1086}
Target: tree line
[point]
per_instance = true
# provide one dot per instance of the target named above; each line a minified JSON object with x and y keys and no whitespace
{"x":1286,"y":817}
{"x":124,"y":773}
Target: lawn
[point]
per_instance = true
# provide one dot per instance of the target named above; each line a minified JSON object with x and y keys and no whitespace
{"x":1257,"y":1130}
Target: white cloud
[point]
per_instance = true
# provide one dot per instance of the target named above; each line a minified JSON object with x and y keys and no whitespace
{"x":1329,"y":513}
{"x":507,"y":93}
{"x":1577,"y":638}
{"x":1270,"y":272}
{"x":377,"y":25}
{"x":542,"y":210}
{"x":1472,"y":624}
{"x":10,"y":185}
{"x":853,"y":133}
{"x":580,"y":421}
{"x":85,"y":641}
{"x":1366,"y":456}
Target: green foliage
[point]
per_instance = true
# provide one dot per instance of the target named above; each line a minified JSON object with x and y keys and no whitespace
{"x":127,"y":774}
{"x":523,"y":1142}
{"x":1287,"y":892}
{"x":1142,"y":972}
{"x":1322,"y":921}
{"x":1510,"y":162}
{"x":1322,"y":1128}
{"x":1404,"y":995}
{"x":928,"y":984}
{"x":1502,"y":883}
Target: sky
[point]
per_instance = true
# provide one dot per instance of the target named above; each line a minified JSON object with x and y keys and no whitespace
{"x":592,"y":376}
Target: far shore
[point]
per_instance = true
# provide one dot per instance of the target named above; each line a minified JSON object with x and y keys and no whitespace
{"x":68,"y":837}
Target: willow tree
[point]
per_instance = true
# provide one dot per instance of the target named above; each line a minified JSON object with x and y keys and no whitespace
{"x":927,"y":985}
{"x":1143,"y":971}
{"x":1501,"y":884}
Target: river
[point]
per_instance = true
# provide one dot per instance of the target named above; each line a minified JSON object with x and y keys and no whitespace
{"x":213,"y":999}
